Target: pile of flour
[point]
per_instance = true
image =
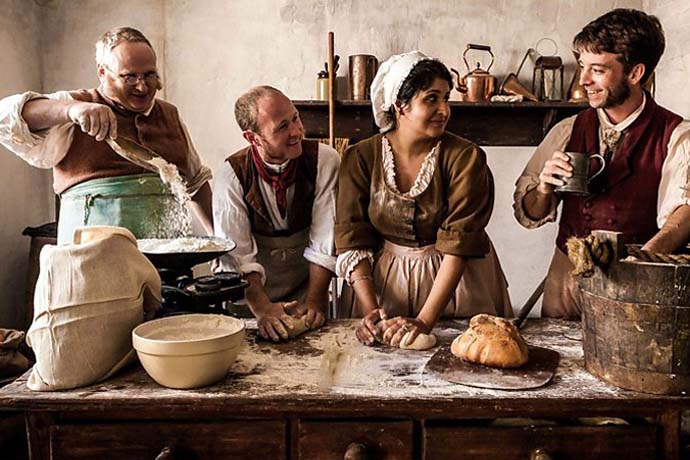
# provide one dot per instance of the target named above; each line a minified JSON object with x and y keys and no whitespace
{"x":182,"y":245}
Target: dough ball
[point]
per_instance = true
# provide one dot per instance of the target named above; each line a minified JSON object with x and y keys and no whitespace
{"x":491,"y":341}
{"x":299,"y":326}
{"x":422,"y":342}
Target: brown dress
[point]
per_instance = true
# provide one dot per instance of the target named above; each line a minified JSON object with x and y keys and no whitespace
{"x":409,"y":236}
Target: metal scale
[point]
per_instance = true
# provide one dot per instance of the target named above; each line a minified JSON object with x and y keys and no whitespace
{"x":183,"y":293}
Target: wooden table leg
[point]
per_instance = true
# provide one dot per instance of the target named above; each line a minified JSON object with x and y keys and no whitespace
{"x":38,"y":434}
{"x":670,"y":435}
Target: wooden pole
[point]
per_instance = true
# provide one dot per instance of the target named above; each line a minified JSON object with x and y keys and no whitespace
{"x":331,"y":91}
{"x":331,"y":142}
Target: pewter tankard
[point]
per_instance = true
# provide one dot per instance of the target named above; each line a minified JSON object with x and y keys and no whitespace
{"x":578,"y":183}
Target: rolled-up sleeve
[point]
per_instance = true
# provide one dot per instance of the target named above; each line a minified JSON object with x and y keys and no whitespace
{"x":353,"y":229}
{"x":470,"y":203}
{"x":556,"y":139}
{"x":674,"y":188}
{"x":231,"y":220}
{"x":321,"y":247}
{"x":42,"y":149}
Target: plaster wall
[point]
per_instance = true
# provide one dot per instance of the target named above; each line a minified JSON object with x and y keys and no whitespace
{"x":26,"y":191}
{"x":72,"y":27}
{"x":672,"y":71}
{"x":210,"y":51}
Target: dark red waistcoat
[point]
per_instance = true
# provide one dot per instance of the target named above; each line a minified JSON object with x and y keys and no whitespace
{"x":624,"y":197}
{"x":299,"y":212}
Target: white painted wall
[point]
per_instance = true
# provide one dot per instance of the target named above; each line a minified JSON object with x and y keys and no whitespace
{"x":210,"y":51}
{"x":25,"y":191}
{"x":673,"y":77}
{"x":71,"y":28}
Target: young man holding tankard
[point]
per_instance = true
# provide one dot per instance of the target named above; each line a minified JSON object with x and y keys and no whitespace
{"x":643,"y":190}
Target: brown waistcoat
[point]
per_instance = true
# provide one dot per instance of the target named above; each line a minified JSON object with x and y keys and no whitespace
{"x":299,"y":212}
{"x":624,"y":197}
{"x":87,"y":159}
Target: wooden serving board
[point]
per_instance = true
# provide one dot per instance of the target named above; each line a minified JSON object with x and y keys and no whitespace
{"x":536,"y":373}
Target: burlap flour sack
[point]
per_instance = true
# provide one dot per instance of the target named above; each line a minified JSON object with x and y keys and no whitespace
{"x":11,"y":360}
{"x":89,"y":296}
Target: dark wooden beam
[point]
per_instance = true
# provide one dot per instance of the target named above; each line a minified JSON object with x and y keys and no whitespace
{"x":490,"y":124}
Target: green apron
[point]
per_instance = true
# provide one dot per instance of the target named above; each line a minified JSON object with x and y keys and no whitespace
{"x":141,"y":203}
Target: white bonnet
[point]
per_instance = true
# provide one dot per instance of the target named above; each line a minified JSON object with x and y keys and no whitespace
{"x":386,"y":85}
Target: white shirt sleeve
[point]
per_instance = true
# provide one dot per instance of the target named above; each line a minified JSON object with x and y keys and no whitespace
{"x":231,"y":220}
{"x":321,"y":247}
{"x":42,"y":149}
{"x":556,"y":139}
{"x":674,"y":188}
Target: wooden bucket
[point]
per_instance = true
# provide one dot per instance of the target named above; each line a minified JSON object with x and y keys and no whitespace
{"x":636,"y":326}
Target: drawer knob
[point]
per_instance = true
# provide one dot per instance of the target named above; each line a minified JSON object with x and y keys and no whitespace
{"x":356,"y":451}
{"x":539,"y":454}
{"x":165,"y":454}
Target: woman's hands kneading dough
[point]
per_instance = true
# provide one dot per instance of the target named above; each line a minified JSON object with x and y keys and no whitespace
{"x":408,"y":334}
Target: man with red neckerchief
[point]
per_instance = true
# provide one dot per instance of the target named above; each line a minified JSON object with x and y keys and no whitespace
{"x":644,"y":191}
{"x":276,"y":199}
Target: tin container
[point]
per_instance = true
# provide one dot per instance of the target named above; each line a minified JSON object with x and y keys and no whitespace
{"x":362,"y":70}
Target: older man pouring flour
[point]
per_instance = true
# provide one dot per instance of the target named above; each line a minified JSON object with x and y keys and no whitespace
{"x":66,"y":131}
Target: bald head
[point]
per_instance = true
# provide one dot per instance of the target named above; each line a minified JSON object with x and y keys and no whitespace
{"x":247,"y":106}
{"x":112,"y":38}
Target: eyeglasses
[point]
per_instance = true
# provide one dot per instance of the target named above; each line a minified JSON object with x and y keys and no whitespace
{"x":131,"y":79}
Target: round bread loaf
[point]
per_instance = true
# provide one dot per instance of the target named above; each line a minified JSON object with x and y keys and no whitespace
{"x":491,"y":341}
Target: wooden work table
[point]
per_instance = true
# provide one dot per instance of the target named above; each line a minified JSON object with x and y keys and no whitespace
{"x":323,"y":395}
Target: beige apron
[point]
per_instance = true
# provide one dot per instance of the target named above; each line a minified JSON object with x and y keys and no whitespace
{"x":287,"y":271}
{"x":404,"y":276}
{"x":562,"y":297}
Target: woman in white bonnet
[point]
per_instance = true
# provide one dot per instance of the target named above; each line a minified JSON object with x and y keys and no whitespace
{"x":413,"y":203}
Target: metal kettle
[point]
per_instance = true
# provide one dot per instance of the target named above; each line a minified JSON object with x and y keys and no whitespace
{"x":477,"y":85}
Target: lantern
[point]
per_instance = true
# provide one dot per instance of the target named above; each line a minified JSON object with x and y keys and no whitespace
{"x":547,"y":79}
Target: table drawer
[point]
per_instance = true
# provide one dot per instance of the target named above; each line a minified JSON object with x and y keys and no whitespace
{"x":326,"y":440}
{"x":249,"y":439}
{"x":558,"y":442}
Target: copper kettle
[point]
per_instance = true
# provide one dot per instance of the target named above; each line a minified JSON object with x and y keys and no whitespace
{"x":477,"y":85}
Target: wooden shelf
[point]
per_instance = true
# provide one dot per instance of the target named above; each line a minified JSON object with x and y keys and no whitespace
{"x":485,"y":123}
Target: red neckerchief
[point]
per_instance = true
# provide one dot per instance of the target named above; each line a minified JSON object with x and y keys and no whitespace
{"x":279,"y":181}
